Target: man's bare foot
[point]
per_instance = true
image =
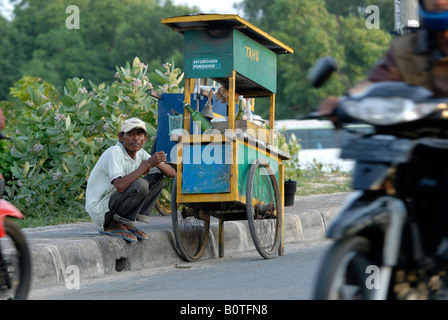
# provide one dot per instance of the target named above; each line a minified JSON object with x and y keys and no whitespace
{"x":139,"y":233}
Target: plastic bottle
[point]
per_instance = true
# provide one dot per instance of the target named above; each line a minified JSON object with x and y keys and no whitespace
{"x":249,"y":115}
{"x":198,"y":117}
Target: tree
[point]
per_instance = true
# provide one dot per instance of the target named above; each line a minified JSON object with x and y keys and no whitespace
{"x":9,"y":62}
{"x":60,"y":53}
{"x":36,"y":42}
{"x":313,"y":32}
{"x":140,"y":33}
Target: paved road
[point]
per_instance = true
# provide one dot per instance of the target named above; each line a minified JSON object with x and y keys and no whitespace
{"x":239,"y":277}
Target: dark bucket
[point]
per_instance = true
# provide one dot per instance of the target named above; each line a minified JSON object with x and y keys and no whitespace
{"x":290,"y":191}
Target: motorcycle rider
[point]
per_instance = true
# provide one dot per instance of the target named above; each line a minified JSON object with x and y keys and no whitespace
{"x":419,"y":57}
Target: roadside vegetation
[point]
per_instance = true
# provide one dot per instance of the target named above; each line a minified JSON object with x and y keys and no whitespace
{"x":314,"y":179}
{"x":318,"y":181}
{"x":58,"y":138}
{"x":64,"y":97}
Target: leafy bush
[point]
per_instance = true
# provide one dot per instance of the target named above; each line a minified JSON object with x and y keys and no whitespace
{"x":292,"y":147}
{"x":169,"y":81}
{"x":57,"y":141}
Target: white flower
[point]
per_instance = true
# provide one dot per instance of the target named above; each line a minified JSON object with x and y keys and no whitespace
{"x":38,"y":148}
{"x":49,"y":106}
{"x":72,"y":140}
{"x":57,"y":175}
{"x":59,"y":116}
{"x":136,"y":82}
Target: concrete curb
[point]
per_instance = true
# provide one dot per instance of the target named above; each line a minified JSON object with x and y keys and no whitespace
{"x":97,"y":255}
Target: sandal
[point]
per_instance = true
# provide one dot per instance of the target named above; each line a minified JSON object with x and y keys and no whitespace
{"x":115,"y":233}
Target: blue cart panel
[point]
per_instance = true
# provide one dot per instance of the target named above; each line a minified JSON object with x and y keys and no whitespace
{"x":206,"y":168}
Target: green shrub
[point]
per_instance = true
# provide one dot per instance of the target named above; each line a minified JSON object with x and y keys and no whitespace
{"x":292,"y":147}
{"x":58,"y":140}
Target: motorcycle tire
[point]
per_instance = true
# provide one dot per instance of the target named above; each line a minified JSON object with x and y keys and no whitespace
{"x":343,"y":272}
{"x":22,"y":259}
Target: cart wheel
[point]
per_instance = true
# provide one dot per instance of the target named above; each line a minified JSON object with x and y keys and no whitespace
{"x":263,"y":208}
{"x":191,"y":229}
{"x":163,"y":204}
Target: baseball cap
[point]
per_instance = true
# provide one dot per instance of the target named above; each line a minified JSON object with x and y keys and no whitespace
{"x":133,"y":123}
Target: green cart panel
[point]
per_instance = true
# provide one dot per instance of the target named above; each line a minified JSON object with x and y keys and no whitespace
{"x":246,"y":156}
{"x":215,"y":56}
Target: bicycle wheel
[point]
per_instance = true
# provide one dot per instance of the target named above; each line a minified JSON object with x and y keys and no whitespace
{"x":263,"y":208}
{"x":190,"y":227}
{"x":343,"y":272}
{"x":15,"y":264}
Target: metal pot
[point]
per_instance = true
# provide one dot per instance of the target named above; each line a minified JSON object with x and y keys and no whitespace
{"x":258,"y":120}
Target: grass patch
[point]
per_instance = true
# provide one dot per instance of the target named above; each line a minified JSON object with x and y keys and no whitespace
{"x":43,"y":218}
{"x":320,"y":182}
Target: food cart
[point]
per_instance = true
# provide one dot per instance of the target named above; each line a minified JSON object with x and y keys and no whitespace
{"x":233,"y":171}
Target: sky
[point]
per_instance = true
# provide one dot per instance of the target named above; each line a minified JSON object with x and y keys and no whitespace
{"x":5,"y":8}
{"x":206,"y":6}
{"x":210,"y":6}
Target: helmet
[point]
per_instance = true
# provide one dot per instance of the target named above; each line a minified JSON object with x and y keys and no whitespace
{"x":435,"y":21}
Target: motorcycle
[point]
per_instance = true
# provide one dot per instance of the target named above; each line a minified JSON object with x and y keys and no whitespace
{"x":15,"y":258}
{"x":391,"y":234}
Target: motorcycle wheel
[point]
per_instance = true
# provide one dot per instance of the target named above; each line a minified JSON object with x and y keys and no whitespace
{"x":15,"y":264}
{"x":343,"y":272}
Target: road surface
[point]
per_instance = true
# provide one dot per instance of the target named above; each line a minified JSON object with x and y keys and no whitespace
{"x":240,"y":277}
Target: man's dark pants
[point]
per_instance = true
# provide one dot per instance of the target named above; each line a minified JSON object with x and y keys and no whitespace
{"x":139,"y":199}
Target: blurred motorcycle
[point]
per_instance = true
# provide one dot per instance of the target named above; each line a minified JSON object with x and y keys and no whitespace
{"x":391,"y":234}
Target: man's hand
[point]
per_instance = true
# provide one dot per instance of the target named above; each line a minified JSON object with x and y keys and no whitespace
{"x":328,"y":106}
{"x":156,"y":159}
{"x":2,"y":120}
{"x":327,"y":109}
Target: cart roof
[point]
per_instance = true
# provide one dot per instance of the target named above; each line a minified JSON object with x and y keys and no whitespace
{"x":202,"y":21}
